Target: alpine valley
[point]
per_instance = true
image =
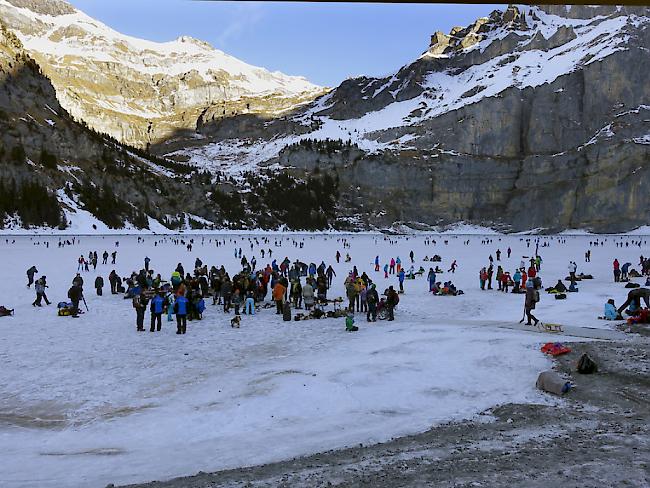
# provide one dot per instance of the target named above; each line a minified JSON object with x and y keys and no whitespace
{"x":534,"y":118}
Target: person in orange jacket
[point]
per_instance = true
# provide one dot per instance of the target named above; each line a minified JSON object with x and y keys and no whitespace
{"x":278,"y":296}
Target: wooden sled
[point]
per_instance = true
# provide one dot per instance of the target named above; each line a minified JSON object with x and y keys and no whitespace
{"x":544,"y":327}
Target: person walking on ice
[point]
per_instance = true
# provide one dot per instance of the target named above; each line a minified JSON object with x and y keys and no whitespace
{"x":30,"y":276}
{"x":532,"y":297}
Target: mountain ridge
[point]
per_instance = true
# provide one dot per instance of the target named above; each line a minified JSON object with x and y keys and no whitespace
{"x":145,"y":90}
{"x":530,"y":118}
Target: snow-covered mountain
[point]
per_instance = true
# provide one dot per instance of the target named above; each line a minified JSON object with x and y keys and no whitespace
{"x":532,"y":118}
{"x":139,"y":91}
{"x":529,"y":104}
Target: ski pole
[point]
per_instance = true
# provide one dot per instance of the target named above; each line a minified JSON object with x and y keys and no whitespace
{"x":84,"y":299}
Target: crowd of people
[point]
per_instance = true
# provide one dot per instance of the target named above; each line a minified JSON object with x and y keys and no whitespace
{"x":292,"y":284}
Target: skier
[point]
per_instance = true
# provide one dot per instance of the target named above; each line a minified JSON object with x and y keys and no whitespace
{"x":30,"y":276}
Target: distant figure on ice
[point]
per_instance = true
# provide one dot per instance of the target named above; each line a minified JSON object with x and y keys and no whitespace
{"x":30,"y":276}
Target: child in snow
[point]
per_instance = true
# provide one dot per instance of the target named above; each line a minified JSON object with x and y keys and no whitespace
{"x":349,"y":324}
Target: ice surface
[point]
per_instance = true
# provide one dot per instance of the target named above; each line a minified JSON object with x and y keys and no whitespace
{"x":88,"y":401}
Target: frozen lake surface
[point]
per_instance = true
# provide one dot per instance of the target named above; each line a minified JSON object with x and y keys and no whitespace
{"x":89,"y":401}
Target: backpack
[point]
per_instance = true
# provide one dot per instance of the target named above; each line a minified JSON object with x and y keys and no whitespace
{"x":396,"y":298}
{"x":586,"y":365}
{"x":536,"y":296}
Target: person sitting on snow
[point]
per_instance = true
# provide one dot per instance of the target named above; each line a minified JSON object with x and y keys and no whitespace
{"x":349,"y":323}
{"x":572,"y":288}
{"x":610,"y":310}
{"x":559,"y":287}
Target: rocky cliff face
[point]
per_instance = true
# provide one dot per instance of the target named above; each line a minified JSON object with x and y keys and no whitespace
{"x":142,"y":92}
{"x":57,"y":172}
{"x":534,"y":117}
{"x":531,"y":118}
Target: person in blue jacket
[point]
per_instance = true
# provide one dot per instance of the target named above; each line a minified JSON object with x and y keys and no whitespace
{"x":158,"y":304}
{"x":170,"y":306}
{"x":432,"y":279}
{"x":610,"y":310}
{"x":401,"y":277}
{"x":624,"y":270}
{"x":181,"y":308}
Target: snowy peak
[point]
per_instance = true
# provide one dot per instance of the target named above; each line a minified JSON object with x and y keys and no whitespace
{"x":147,"y":91}
{"x":45,"y":7}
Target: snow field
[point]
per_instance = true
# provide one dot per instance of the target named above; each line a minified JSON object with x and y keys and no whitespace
{"x":88,"y":401}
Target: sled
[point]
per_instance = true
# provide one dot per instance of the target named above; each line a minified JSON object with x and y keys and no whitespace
{"x":555,"y":349}
{"x":545,"y":327}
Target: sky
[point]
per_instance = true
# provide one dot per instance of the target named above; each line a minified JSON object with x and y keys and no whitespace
{"x":324,"y":42}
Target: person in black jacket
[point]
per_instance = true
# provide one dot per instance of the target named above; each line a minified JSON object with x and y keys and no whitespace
{"x":99,"y":285}
{"x":372,"y":297}
{"x":392,"y":299}
{"x":75,"y":294}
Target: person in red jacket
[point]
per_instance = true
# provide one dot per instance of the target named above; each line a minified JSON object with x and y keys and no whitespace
{"x":505,"y":281}
{"x":532,"y":272}
{"x":617,"y":271}
{"x":278,"y":296}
